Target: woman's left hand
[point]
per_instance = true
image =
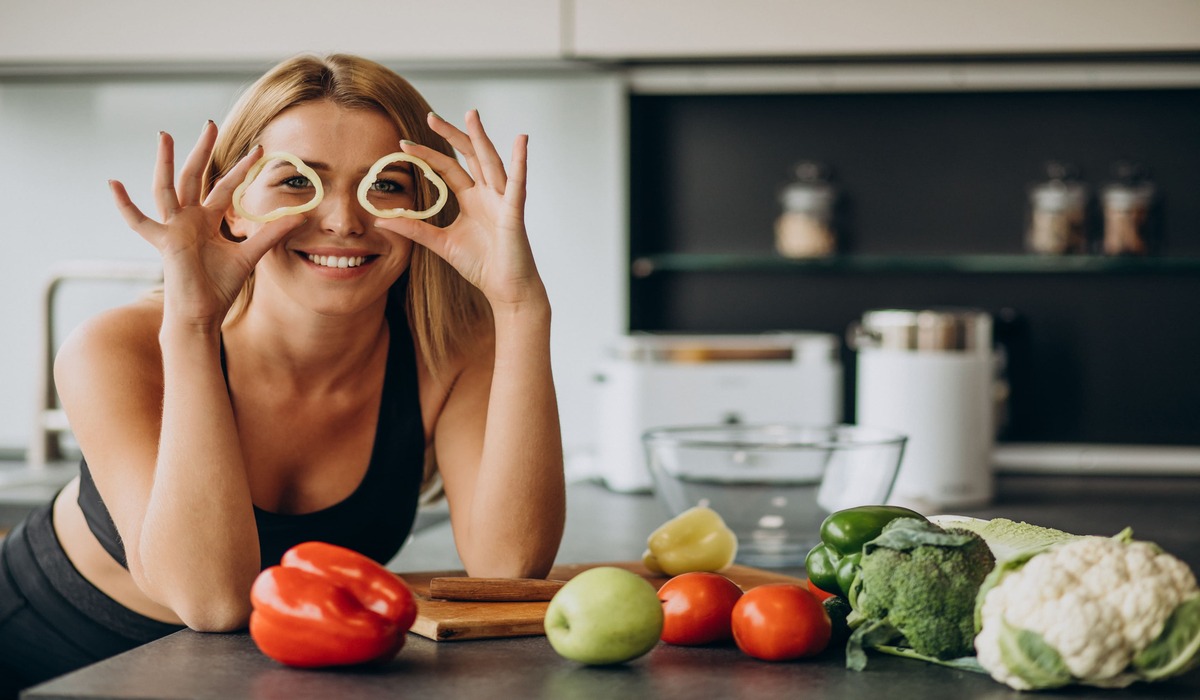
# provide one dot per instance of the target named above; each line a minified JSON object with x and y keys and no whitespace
{"x":487,"y":243}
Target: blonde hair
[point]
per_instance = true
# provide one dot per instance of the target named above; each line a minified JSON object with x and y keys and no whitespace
{"x":444,"y":310}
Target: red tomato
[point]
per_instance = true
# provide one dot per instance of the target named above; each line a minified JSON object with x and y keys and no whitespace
{"x":780,"y":621}
{"x":820,"y":594}
{"x":697,"y":608}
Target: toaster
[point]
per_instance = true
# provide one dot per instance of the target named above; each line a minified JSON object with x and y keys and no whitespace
{"x":657,"y":380}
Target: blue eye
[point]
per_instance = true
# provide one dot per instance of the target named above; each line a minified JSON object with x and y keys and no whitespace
{"x":387,"y":187}
{"x":297,"y":182}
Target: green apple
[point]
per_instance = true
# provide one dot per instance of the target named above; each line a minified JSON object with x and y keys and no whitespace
{"x":603,"y":616}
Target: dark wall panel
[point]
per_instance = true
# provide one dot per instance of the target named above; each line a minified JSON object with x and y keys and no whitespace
{"x":1095,"y":357}
{"x":940,"y":173}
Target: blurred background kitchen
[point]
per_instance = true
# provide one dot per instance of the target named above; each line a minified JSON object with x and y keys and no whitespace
{"x":698,"y":169}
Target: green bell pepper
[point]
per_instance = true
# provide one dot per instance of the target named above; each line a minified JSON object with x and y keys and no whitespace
{"x":833,"y":564}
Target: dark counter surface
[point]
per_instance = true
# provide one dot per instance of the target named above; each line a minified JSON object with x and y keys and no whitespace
{"x":605,"y":526}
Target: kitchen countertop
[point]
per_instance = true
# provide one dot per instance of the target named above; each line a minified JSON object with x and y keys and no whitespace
{"x":606,"y":526}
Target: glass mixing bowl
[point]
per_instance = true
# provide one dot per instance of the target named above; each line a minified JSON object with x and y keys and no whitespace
{"x":773,"y":484}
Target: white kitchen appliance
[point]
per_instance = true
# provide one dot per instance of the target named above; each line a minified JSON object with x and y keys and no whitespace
{"x":656,"y":380}
{"x":931,"y":374}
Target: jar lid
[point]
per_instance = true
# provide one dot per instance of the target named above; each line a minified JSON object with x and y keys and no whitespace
{"x":924,"y":330}
{"x":811,"y":191}
{"x":1047,"y":198}
{"x":1058,"y":196}
{"x":815,"y":199}
{"x":1122,"y":197}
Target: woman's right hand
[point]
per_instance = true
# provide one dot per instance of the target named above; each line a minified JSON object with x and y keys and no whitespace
{"x":203,"y":271}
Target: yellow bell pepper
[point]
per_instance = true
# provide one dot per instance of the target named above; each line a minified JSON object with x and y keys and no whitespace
{"x":695,"y":540}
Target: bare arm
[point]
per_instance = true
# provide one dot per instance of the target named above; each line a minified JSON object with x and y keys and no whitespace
{"x":498,"y":441}
{"x":155,"y":424}
{"x":500,"y":452}
{"x":148,"y":400}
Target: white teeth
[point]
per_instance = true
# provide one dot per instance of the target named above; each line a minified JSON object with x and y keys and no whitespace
{"x":334,"y":261}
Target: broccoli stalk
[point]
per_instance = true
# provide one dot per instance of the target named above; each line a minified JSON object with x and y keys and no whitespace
{"x":916,"y":588}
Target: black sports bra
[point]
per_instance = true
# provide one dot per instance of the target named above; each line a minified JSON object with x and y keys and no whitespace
{"x":376,"y":518}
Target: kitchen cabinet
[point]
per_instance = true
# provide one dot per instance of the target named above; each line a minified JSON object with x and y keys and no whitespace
{"x":154,"y":35}
{"x":157,"y":36}
{"x":678,"y":29}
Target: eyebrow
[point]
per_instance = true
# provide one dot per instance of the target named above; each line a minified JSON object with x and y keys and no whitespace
{"x":398,"y":167}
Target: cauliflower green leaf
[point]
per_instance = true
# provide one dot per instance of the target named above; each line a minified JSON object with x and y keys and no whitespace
{"x":1177,"y":650}
{"x":1028,"y":655}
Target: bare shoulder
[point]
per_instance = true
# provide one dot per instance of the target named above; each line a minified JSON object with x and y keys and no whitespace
{"x":474,"y":361}
{"x":467,"y":371}
{"x":118,"y":345}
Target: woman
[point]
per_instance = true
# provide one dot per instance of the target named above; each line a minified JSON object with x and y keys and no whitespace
{"x":296,"y":377}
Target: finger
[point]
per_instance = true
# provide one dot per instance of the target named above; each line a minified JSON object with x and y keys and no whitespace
{"x":457,"y":179}
{"x":269,"y":236}
{"x":164,"y":177}
{"x":191,"y":178}
{"x":515,"y":194}
{"x":485,"y":152}
{"x":221,"y":194}
{"x":461,"y":143}
{"x":139,"y":222}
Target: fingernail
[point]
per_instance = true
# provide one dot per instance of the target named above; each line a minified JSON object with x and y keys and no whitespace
{"x":436,"y":116}
{"x":406,"y":142}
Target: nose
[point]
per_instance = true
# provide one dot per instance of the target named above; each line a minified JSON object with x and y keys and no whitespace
{"x":340,"y":213}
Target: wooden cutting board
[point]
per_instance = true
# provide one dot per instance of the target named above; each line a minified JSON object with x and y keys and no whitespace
{"x":453,"y":620}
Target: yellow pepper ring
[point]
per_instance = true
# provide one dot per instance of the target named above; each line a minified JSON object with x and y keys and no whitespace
{"x":282,"y":211}
{"x":365,"y":186}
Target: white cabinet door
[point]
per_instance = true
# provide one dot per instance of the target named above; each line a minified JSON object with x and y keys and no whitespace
{"x":75,"y":32}
{"x":666,"y":29}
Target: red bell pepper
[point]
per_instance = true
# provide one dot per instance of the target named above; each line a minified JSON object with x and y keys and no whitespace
{"x":325,"y":605}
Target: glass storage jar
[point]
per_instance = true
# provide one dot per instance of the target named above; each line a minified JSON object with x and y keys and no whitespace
{"x":1126,"y":202}
{"x":804,"y":228}
{"x":1057,"y":212}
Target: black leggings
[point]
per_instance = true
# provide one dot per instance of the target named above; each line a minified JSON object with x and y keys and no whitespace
{"x":52,"y":620}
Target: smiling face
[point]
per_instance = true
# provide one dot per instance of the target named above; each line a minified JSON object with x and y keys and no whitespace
{"x":333,"y":259}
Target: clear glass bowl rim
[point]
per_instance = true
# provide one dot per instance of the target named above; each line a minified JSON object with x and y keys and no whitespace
{"x":773,"y":436}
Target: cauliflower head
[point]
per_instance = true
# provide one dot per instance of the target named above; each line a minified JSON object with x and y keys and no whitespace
{"x":1092,"y":610}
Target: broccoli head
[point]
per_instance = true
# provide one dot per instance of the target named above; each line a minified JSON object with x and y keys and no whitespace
{"x":919,"y":582}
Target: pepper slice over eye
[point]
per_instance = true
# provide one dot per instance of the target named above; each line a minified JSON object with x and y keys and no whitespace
{"x":281,"y":212}
{"x":365,"y":186}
